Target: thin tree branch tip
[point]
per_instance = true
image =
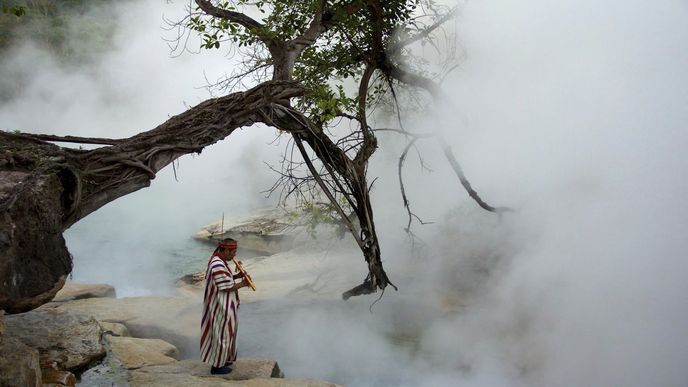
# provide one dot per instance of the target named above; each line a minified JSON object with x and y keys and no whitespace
{"x":236,"y":17}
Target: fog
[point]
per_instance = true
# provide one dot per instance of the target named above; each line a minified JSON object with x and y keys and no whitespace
{"x":572,"y":113}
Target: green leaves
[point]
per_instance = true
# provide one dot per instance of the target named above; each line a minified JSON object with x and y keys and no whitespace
{"x":319,"y":213}
{"x":356,"y":33}
{"x":17,"y":10}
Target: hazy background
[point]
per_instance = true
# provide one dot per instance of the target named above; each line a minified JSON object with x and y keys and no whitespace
{"x":573,"y":113}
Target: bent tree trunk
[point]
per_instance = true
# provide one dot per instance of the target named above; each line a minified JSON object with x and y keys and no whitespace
{"x":44,"y":188}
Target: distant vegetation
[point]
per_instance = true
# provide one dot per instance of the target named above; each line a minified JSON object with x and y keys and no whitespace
{"x":73,"y":30}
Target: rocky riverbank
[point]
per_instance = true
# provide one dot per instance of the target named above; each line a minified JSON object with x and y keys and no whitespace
{"x":87,"y":337}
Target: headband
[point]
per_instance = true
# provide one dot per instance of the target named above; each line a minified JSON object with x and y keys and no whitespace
{"x":231,"y":245}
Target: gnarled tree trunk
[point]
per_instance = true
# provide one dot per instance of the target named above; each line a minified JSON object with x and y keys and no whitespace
{"x":44,"y":189}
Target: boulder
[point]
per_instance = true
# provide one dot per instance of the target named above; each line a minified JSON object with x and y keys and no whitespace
{"x":74,"y":291}
{"x":34,"y":260}
{"x":19,"y":364}
{"x":265,"y":231}
{"x":172,"y":319}
{"x":65,"y":340}
{"x":135,"y":353}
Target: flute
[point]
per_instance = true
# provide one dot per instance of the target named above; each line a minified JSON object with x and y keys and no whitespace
{"x":247,"y":277}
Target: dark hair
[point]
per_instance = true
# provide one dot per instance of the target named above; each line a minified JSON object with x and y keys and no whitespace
{"x":228,"y":241}
{"x":225,"y":241}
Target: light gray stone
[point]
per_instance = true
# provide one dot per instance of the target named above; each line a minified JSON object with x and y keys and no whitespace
{"x":248,"y":372}
{"x":114,"y":329}
{"x":243,"y":369}
{"x":196,"y":279}
{"x":266,"y":231}
{"x":75,"y":291}
{"x":109,"y":373}
{"x":172,"y":319}
{"x":135,"y":353}
{"x":143,"y":379}
{"x":64,"y":339}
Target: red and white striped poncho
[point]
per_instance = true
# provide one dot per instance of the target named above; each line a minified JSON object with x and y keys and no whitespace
{"x":219,"y":323}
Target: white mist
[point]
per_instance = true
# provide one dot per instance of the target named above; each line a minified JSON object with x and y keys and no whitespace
{"x":572,"y":113}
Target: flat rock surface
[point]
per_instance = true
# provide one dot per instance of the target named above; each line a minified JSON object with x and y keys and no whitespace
{"x":173,"y":319}
{"x":243,"y":368}
{"x":69,"y":340}
{"x":143,"y":379}
{"x":75,"y":291}
{"x":135,"y":353}
{"x":267,"y":231}
{"x":114,"y":329}
{"x":248,"y":372}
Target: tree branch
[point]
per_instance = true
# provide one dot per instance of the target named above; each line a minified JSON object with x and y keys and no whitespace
{"x":315,"y":29}
{"x":438,"y":95}
{"x":369,"y":140}
{"x":74,"y":139}
{"x":466,"y":184}
{"x":326,"y":190}
{"x":235,"y":17}
{"x":423,"y":34}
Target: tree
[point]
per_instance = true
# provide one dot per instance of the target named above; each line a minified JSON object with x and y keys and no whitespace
{"x":302,"y":54}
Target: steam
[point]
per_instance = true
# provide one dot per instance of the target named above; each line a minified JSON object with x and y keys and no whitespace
{"x":134,"y":87}
{"x":572,"y":113}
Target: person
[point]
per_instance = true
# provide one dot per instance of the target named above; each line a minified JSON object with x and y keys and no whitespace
{"x":220,"y":304}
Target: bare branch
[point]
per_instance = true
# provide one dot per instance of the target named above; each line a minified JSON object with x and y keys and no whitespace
{"x":327,"y":192}
{"x":235,"y":17}
{"x":401,"y":182}
{"x":424,"y":33}
{"x":438,"y":95}
{"x":74,"y":139}
{"x":467,"y":185}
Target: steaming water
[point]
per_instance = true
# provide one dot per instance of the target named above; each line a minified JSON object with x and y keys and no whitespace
{"x":571,"y":112}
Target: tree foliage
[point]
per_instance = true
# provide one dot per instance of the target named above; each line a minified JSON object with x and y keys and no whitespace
{"x":349,"y":56}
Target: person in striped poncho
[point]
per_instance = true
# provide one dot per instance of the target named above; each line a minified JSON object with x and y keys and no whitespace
{"x":220,"y":304}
